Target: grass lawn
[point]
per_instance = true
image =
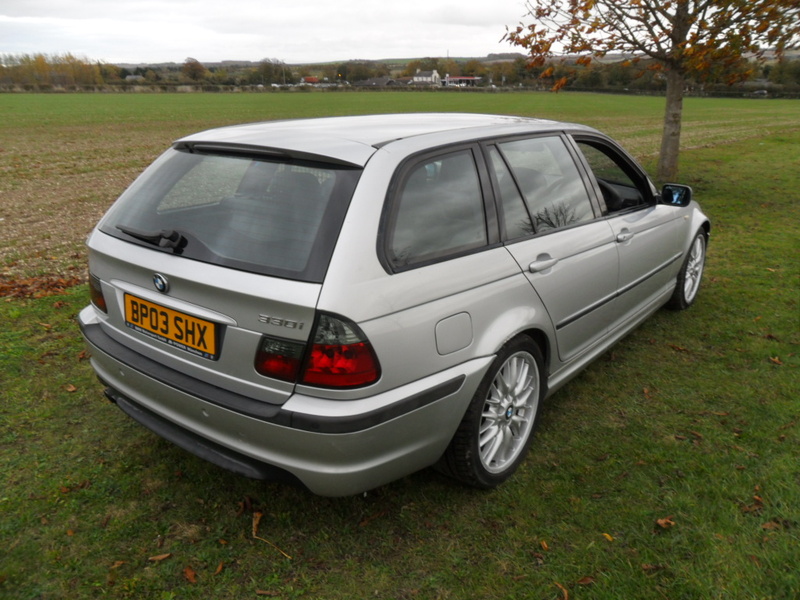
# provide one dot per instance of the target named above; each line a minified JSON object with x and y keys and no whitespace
{"x":669,"y":469}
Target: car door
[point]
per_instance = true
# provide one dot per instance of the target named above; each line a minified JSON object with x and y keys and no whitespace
{"x":646,"y":232}
{"x":552,"y":231}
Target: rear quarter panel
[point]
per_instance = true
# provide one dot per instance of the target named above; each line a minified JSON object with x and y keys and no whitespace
{"x":400,"y":312}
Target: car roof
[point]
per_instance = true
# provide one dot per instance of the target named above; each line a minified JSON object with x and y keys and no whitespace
{"x":353,"y":139}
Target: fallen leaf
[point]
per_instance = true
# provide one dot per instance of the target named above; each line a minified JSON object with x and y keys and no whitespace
{"x":70,"y":532}
{"x":563,"y":590}
{"x":190,"y":575}
{"x":756,"y":507}
{"x":371,"y":518}
{"x":665,"y":523}
{"x":117,"y":564}
{"x":223,"y":542}
{"x":609,"y":537}
{"x":256,"y":521}
{"x":160,"y":557}
{"x":219,"y":568}
{"x":771,"y":526}
{"x":544,"y":545}
{"x":70,"y":388}
{"x":678,"y":348}
{"x":36,"y":287}
{"x":244,"y":506}
{"x":585,"y":581}
{"x":775,"y":360}
{"x":648,"y":568}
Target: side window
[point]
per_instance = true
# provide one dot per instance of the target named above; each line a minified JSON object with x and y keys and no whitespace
{"x":550,"y":182}
{"x":438,"y":210}
{"x":620,"y":190}
{"x":515,"y":217}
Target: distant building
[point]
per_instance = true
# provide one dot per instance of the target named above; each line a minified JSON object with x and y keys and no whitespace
{"x":431,"y":78}
{"x":376,"y":82}
{"x":461,"y":81}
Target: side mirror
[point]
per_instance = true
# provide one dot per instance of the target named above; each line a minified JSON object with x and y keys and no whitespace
{"x":676,"y":194}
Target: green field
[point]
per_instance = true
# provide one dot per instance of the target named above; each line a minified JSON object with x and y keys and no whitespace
{"x":669,"y":469}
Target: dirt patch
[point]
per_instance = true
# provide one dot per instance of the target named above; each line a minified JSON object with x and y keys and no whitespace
{"x":54,"y":187}
{"x":37,"y":287}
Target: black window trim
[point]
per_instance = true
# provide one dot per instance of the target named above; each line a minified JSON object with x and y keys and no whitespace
{"x":631,"y":168}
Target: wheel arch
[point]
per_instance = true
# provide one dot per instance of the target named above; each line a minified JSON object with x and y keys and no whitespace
{"x":541,"y":339}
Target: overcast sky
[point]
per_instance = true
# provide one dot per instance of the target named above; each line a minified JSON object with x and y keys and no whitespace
{"x":295,"y":31}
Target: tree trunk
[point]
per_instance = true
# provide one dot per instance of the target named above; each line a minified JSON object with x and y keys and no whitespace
{"x":671,"y":138}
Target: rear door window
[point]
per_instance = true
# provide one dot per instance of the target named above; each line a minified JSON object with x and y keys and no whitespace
{"x":266,"y":216}
{"x":438,"y":211}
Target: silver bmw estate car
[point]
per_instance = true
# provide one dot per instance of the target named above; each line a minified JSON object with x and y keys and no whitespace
{"x":343,"y":301}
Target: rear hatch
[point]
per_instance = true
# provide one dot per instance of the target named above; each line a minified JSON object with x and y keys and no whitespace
{"x":212,"y":249}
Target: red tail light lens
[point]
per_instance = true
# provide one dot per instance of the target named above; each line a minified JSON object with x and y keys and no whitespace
{"x":339,"y":356}
{"x":96,"y":294}
{"x":280,"y":359}
{"x":341,"y":366}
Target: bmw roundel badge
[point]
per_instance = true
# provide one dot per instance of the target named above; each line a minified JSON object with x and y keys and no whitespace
{"x":160,"y":282}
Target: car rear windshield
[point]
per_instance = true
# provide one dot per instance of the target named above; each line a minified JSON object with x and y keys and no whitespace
{"x":273,"y":216}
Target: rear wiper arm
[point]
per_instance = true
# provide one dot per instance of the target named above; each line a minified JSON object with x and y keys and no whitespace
{"x":166,"y":238}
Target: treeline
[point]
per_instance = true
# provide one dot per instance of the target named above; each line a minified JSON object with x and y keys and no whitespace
{"x":66,"y":71}
{"x":44,"y":71}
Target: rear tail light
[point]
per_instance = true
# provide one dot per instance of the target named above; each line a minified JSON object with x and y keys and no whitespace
{"x":96,"y":294}
{"x":280,"y":359}
{"x":339,"y":356}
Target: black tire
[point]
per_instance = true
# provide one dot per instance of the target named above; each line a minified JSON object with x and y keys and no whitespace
{"x":497,"y":429}
{"x":687,"y":285}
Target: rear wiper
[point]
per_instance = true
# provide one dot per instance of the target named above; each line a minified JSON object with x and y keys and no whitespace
{"x":166,"y":238}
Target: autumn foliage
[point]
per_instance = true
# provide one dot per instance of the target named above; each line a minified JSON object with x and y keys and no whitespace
{"x":681,"y":38}
{"x":37,"y":287}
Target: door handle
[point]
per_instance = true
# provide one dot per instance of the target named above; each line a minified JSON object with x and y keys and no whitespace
{"x":624,"y":236}
{"x":544,"y":264}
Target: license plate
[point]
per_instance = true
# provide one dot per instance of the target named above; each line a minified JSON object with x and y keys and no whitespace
{"x":177,"y":329}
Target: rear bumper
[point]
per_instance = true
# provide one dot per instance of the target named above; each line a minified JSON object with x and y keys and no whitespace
{"x":333,"y":447}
